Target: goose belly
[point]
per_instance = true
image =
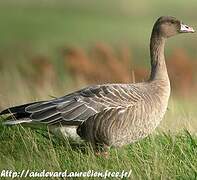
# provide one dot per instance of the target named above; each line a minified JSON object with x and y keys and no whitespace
{"x":68,"y":132}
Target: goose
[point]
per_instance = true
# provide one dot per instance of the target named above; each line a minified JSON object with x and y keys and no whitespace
{"x":109,"y":115}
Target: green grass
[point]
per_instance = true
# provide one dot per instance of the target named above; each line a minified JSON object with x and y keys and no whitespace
{"x":160,"y":156}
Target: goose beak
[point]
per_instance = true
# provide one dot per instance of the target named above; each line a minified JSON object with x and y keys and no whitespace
{"x":186,"y":29}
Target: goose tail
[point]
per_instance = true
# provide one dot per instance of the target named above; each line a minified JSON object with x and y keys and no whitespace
{"x":15,"y":115}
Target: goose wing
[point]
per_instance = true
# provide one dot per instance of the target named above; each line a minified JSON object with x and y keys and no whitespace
{"x":81,"y":105}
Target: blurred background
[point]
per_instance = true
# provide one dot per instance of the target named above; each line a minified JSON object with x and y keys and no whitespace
{"x":50,"y":48}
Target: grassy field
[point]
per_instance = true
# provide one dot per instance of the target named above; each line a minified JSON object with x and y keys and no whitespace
{"x":160,"y":156}
{"x":32,"y":29}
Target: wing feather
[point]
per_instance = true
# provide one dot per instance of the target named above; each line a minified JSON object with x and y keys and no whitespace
{"x":39,"y":107}
{"x":83,"y":104}
{"x":41,"y":115}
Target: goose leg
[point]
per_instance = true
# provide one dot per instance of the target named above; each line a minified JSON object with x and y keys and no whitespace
{"x":102,"y":151}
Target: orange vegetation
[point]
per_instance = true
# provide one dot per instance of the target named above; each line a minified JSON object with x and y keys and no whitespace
{"x":101,"y":64}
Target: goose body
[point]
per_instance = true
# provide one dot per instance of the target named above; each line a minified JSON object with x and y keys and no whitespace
{"x":109,"y":114}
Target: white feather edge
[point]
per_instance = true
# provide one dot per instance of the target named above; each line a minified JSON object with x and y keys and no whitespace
{"x":12,"y":122}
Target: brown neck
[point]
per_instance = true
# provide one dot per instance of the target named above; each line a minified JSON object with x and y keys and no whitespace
{"x":158,"y":65}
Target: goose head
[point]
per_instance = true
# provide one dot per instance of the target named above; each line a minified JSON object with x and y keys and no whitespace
{"x":167,"y":26}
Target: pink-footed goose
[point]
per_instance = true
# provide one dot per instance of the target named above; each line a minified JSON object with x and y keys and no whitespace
{"x":110,"y":114}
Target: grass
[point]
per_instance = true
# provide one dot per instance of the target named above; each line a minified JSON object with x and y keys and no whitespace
{"x":160,"y":156}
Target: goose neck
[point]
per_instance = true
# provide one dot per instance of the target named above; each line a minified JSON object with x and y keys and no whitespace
{"x":158,"y":66}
